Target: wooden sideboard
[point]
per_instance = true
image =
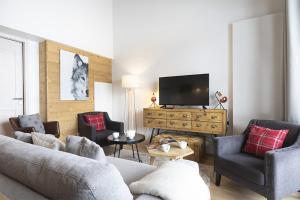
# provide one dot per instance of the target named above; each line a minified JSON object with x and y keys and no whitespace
{"x":211,"y":121}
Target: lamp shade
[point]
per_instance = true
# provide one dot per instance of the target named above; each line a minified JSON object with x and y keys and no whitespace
{"x":130,"y":81}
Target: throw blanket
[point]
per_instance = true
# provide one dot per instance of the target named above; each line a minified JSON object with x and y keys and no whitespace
{"x":173,"y":181}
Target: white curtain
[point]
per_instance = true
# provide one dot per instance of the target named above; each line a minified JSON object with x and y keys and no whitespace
{"x":293,"y":61}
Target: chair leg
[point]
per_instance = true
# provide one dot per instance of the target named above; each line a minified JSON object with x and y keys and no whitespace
{"x":218,"y":179}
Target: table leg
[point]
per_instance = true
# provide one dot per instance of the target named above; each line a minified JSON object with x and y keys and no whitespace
{"x":115,"y":151}
{"x":137,"y":152}
{"x":152,"y":135}
{"x":132,"y":151}
{"x":152,"y":159}
{"x":120,"y":147}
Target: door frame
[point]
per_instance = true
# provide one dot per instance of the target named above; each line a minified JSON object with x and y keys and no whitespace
{"x":23,"y":66}
{"x":30,"y":56}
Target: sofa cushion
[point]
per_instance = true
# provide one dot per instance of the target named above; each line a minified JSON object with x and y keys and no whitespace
{"x":243,"y":165}
{"x":24,"y":137}
{"x":17,"y":191}
{"x":130,"y":170}
{"x":48,"y":141}
{"x":97,"y":120}
{"x":147,"y":197}
{"x":60,"y":175}
{"x":32,"y":121}
{"x":82,"y":146}
{"x":260,"y":140}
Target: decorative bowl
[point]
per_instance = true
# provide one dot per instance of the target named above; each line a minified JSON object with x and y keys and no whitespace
{"x":182,"y":144}
{"x":116,"y":135}
{"x":165,"y":147}
{"x":130,"y":134}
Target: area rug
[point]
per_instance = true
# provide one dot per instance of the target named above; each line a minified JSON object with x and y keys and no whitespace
{"x":205,"y":171}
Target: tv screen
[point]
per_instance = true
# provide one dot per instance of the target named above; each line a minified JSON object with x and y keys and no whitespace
{"x":184,"y":90}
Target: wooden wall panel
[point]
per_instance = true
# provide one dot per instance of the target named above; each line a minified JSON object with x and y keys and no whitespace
{"x":51,"y":107}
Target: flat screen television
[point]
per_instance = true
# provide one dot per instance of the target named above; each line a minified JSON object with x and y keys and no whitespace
{"x":184,"y":90}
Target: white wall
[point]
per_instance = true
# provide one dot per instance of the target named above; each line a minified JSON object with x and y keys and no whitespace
{"x":87,"y":25}
{"x":103,"y":97}
{"x":175,"y":37}
{"x":258,"y":70}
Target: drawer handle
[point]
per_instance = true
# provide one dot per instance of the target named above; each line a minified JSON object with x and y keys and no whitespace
{"x":159,"y":114}
{"x":213,"y":126}
{"x":198,"y":125}
{"x":149,"y":113}
{"x":198,"y":116}
{"x":159,"y":122}
{"x":171,"y":115}
{"x":213,"y":117}
{"x":204,"y":114}
{"x":172,"y":123}
{"x":185,"y":116}
{"x":184,"y":124}
{"x":149,"y":121}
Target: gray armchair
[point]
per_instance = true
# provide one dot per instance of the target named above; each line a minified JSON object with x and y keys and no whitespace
{"x":275,"y":176}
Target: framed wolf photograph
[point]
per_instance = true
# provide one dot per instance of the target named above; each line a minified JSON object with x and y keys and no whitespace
{"x":74,"y":81}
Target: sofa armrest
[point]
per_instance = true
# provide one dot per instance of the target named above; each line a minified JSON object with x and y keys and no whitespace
{"x":52,"y":128}
{"x":26,"y":129}
{"x":228,"y":144}
{"x":282,"y":171}
{"x":115,"y":126}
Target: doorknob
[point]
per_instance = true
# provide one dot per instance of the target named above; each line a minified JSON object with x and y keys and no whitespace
{"x":17,"y":99}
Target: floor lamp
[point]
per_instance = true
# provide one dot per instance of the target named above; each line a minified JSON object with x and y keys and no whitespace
{"x":130,"y":83}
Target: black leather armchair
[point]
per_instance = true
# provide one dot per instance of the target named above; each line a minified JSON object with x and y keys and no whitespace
{"x":274,"y":176}
{"x":100,"y":137}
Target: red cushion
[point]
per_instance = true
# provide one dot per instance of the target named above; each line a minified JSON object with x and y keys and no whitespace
{"x":260,"y":140}
{"x":96,"y":120}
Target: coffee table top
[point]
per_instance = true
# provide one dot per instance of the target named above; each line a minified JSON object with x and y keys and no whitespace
{"x":124,"y":140}
{"x":174,"y":153}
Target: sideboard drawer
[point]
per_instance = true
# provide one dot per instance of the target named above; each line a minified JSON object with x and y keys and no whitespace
{"x":216,"y":127}
{"x":201,"y":126}
{"x":215,"y":117}
{"x":171,"y":123}
{"x":158,"y":114}
{"x":200,"y":116}
{"x":157,"y":123}
{"x":179,"y":115}
{"x":179,"y":124}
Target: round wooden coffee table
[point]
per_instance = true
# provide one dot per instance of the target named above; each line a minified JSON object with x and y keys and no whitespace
{"x":123,"y":140}
{"x":175,"y":153}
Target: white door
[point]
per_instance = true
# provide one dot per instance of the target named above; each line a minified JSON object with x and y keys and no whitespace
{"x":11,"y":82}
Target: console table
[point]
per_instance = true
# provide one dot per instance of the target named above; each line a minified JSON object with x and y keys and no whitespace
{"x":209,"y":121}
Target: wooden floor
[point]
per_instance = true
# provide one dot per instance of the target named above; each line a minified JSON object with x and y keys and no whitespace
{"x":228,"y":190}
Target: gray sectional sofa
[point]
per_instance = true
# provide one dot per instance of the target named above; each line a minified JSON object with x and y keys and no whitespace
{"x":31,"y":172}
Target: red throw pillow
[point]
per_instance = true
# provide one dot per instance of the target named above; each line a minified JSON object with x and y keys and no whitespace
{"x":260,"y":140}
{"x":96,"y":120}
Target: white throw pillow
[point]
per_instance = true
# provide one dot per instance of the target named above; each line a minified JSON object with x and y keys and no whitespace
{"x":48,"y":141}
{"x":173,"y":181}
